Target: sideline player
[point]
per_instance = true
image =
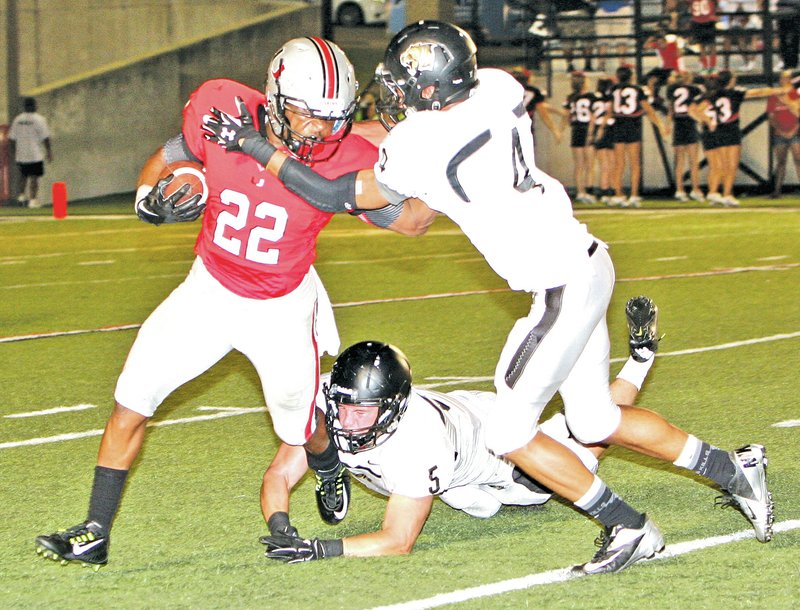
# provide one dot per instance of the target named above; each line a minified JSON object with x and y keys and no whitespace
{"x":464,"y":148}
{"x":251,"y":287}
{"x":413,"y":445}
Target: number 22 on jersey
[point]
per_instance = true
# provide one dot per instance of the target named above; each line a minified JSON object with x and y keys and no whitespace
{"x":235,"y":216}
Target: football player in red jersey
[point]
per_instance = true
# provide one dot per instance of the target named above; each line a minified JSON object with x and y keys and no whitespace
{"x":251,"y":287}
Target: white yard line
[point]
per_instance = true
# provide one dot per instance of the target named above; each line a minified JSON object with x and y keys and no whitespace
{"x":424,"y":297}
{"x":436,"y":382}
{"x":153,"y":424}
{"x":563,"y":574}
{"x":52,"y":411}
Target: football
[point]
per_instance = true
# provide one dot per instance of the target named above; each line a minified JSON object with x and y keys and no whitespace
{"x":186,"y":172}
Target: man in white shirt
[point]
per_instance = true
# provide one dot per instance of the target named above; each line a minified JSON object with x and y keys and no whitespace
{"x":29,"y":133}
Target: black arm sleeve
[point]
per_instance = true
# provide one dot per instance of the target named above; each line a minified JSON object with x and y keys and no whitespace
{"x":338,"y":195}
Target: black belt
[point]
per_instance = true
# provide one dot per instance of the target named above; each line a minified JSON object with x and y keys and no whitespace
{"x":592,"y":248}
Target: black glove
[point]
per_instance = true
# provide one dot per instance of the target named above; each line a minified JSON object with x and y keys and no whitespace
{"x":302,"y":550}
{"x":282,"y":533}
{"x":155,"y":208}
{"x":238,"y":133}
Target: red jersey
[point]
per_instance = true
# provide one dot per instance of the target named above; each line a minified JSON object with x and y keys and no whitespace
{"x":784,"y":117}
{"x":258,"y":239}
{"x":703,"y":11}
{"x":670,"y":53}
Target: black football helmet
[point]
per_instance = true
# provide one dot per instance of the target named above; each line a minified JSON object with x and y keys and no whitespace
{"x":367,"y":374}
{"x":421,"y":55}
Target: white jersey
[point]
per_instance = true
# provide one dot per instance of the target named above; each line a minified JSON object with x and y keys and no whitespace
{"x":438,"y":449}
{"x":29,"y":130}
{"x":474,"y":162}
{"x":438,"y":445}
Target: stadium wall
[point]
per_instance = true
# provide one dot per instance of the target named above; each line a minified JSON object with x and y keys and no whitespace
{"x":106,"y":122}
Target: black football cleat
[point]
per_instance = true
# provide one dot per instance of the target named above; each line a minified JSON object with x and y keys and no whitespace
{"x":85,"y":543}
{"x":642,"y":315}
{"x":333,"y":494}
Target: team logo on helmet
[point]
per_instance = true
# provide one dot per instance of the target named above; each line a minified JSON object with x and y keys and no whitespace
{"x":421,"y":56}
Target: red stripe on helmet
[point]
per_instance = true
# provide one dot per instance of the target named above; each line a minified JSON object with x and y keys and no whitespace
{"x":329,"y":72}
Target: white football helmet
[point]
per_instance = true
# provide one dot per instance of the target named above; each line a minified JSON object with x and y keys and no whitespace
{"x":314,"y":77}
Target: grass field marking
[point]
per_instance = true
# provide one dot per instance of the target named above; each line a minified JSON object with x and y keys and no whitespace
{"x":789,"y":423}
{"x":563,"y":574}
{"x":439,"y":382}
{"x":422,"y":297}
{"x":54,"y":410}
{"x":647,"y":278}
{"x":27,"y":257}
{"x":732,"y":344}
{"x":67,"y":333}
{"x":710,"y":273}
{"x":44,"y":440}
{"x":114,"y":280}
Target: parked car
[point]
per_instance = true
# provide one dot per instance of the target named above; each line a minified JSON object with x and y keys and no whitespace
{"x":360,"y":12}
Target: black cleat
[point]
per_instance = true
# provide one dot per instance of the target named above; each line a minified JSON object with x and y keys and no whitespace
{"x":642,"y":315}
{"x":333,"y":494}
{"x":85,"y":543}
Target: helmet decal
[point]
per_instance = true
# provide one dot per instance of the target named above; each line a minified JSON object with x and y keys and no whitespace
{"x":276,"y":74}
{"x":421,"y":56}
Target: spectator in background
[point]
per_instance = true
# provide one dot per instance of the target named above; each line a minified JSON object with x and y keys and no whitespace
{"x":29,"y":132}
{"x":703,"y":27}
{"x":783,"y":111}
{"x":535,"y":101}
{"x":614,"y":18}
{"x":603,"y":138}
{"x":681,"y":94}
{"x":580,"y":23}
{"x":788,"y":14}
{"x":724,"y":98}
{"x":736,"y":26}
{"x":579,"y":108}
{"x":366,"y":109}
{"x":629,"y":103}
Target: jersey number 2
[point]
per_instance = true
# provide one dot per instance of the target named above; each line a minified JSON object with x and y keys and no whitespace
{"x":238,"y":220}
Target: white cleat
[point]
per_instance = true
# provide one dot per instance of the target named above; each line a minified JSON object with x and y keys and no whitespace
{"x":748,"y":489}
{"x":622,"y":546}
